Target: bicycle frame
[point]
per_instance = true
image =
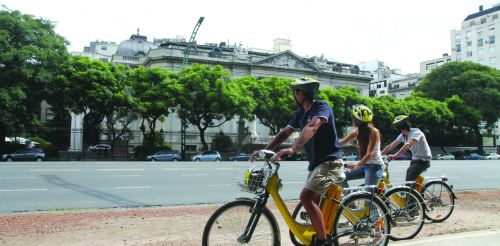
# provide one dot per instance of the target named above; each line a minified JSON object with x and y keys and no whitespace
{"x":329,"y":208}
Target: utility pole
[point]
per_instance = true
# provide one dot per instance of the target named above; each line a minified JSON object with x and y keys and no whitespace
{"x":185,"y":62}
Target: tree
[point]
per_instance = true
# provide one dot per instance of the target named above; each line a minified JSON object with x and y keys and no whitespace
{"x":30,"y":53}
{"x":156,"y":92}
{"x":274,"y":103}
{"x":209,"y":98}
{"x":477,"y":85}
{"x":342,"y":100}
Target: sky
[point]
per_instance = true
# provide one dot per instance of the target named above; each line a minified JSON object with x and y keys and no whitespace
{"x":401,"y":33}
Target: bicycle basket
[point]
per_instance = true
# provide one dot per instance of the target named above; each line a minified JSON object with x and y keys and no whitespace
{"x":254,"y":180}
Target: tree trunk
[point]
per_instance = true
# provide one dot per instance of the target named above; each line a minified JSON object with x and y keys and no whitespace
{"x":202,"y":138}
{"x":479,"y":140}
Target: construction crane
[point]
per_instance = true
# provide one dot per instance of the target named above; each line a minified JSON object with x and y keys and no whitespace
{"x":191,"y":41}
{"x":185,"y":62}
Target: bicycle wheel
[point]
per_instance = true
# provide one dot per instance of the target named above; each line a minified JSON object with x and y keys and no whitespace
{"x":439,"y":200}
{"x":407,"y":212}
{"x":361,"y":220}
{"x":300,"y":216}
{"x":227,"y":225}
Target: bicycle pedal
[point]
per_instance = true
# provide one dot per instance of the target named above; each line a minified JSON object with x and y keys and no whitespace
{"x":304,"y":216}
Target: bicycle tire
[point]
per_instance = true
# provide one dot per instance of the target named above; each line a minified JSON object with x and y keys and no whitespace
{"x":228,"y":222}
{"x":364,"y":231}
{"x":406,"y":220}
{"x":296,"y":212}
{"x":434,"y":199}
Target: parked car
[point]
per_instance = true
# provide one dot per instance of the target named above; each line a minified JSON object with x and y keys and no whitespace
{"x":31,"y":154}
{"x":207,"y":156}
{"x":165,"y":155}
{"x":99,"y":147}
{"x":473,"y":157}
{"x":350,"y":157}
{"x":445,"y":157}
{"x":493,"y":156}
{"x":240,"y":157}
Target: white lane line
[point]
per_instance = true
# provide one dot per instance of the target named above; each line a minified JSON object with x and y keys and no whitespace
{"x":181,"y":169}
{"x":119,"y":169}
{"x":55,"y":170}
{"x":17,"y":177}
{"x":125,"y":176}
{"x":23,"y":190}
{"x":133,"y":187}
{"x":195,"y":174}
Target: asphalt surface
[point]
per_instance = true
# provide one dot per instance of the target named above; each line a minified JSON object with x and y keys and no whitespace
{"x":32,"y":186}
{"x":483,"y":238}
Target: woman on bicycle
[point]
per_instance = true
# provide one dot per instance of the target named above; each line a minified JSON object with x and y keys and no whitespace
{"x":369,"y":166}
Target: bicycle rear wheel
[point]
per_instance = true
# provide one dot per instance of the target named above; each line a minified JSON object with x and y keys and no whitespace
{"x":227,"y":226}
{"x":439,"y":200}
{"x":361,"y":220}
{"x":407,"y":212}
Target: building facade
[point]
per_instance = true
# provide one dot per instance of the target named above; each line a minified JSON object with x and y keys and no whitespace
{"x":240,"y":61}
{"x":476,"y":40}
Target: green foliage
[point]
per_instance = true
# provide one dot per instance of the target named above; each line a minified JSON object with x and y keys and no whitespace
{"x":30,"y":52}
{"x":222,"y":143}
{"x":477,"y":85}
{"x":208,"y":98}
{"x":274,"y":100}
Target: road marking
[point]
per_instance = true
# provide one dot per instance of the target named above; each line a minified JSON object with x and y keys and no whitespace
{"x":17,"y":177}
{"x":23,"y":190}
{"x":124,"y":176}
{"x":55,"y":170}
{"x":195,"y":174}
{"x":132,"y":187}
{"x":224,"y":168}
{"x":181,"y":169}
{"x":119,"y":169}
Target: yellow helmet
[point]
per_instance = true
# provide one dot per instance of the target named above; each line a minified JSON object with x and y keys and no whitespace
{"x":362,"y":113}
{"x":305,"y":84}
{"x":399,"y":119}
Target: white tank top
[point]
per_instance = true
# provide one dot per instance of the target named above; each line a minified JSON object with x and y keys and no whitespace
{"x":376,"y":156}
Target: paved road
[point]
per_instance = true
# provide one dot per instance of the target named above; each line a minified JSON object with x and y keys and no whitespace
{"x":483,"y":238}
{"x":31,"y":186}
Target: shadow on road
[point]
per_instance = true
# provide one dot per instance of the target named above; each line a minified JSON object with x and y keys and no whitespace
{"x":119,"y":201}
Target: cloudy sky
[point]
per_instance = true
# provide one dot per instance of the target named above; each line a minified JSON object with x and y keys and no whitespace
{"x":400,"y":33}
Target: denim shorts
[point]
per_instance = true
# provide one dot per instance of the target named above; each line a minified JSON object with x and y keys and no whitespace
{"x":324,"y":175}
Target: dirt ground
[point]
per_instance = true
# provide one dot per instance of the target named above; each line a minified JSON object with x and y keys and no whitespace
{"x":475,"y":210}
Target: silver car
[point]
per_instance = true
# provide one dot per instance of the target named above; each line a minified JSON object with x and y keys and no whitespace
{"x":207,"y":156}
{"x":165,"y":155}
{"x":445,"y":157}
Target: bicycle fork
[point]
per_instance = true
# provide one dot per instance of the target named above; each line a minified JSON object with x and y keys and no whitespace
{"x":257,"y":210}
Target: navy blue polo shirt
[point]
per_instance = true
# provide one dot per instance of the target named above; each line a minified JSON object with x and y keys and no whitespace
{"x":324,"y":145}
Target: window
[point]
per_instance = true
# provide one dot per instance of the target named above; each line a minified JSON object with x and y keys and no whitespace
{"x":469,"y":44}
{"x":379,"y":86}
{"x":468,"y":35}
{"x":480,"y":42}
{"x":479,"y":32}
{"x":494,"y":17}
{"x":429,"y":66}
{"x":458,"y":47}
{"x":469,"y":53}
{"x":104,"y":59}
{"x":483,"y":20}
{"x":492,"y":39}
{"x":104,"y":47}
{"x":459,"y":57}
{"x":439,"y":63}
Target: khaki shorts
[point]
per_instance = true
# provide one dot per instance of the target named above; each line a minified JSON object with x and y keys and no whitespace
{"x":324,"y":175}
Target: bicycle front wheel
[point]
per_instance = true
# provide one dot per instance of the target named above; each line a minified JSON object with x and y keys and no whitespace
{"x":361,"y":220}
{"x":227,"y":226}
{"x":407,"y":212}
{"x":439,"y":201}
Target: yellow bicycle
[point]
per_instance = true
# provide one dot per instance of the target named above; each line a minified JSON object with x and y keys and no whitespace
{"x":359,"y":218}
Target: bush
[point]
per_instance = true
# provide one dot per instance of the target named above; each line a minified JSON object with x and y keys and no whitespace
{"x":222,"y":143}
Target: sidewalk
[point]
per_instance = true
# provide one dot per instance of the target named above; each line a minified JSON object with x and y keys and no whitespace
{"x":483,"y":238}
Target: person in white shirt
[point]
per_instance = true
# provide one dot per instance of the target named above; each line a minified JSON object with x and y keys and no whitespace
{"x":414,"y":140}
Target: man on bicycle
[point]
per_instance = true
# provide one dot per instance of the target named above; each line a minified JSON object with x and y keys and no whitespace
{"x":415,"y":141}
{"x":318,"y":136}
